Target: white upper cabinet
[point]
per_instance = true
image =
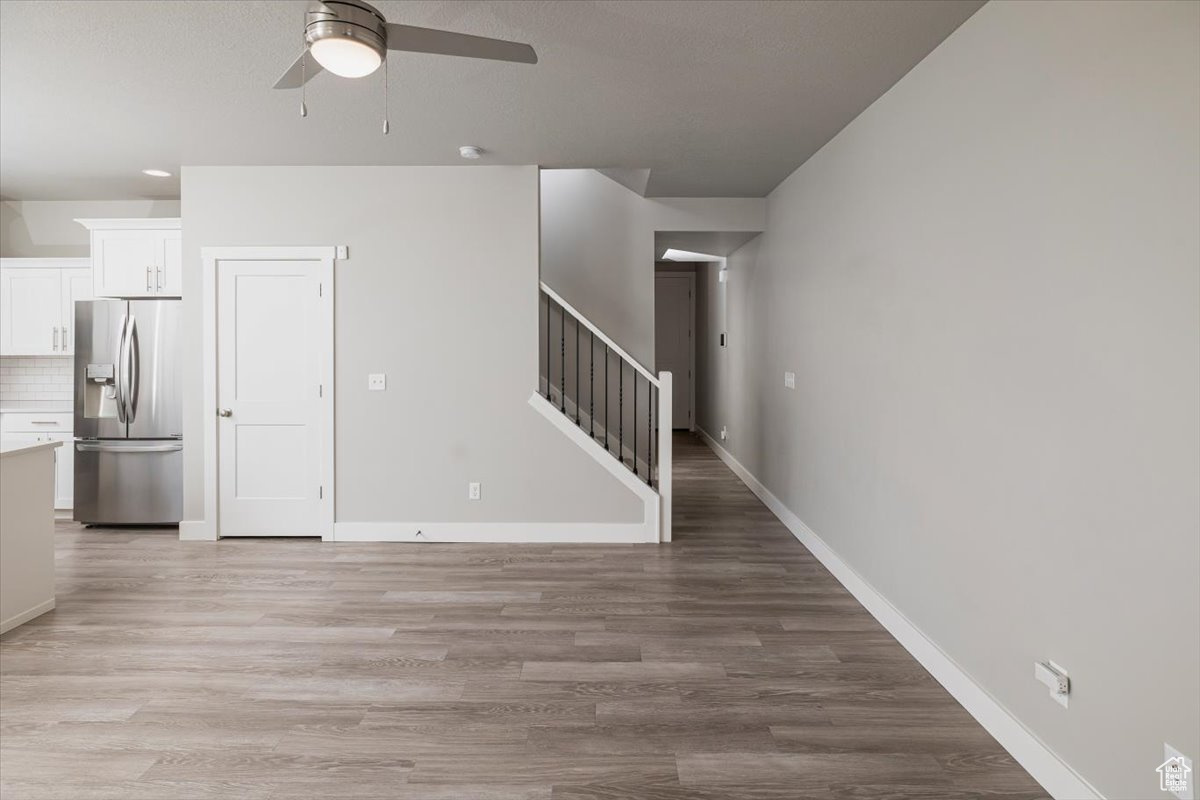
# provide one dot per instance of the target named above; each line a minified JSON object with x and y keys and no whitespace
{"x":136,"y":257}
{"x":37,"y":297}
{"x":76,"y":285}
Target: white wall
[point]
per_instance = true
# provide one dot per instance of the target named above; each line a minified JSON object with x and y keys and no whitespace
{"x":47,"y":228}
{"x":440,"y":292}
{"x":987,"y":287}
{"x":598,"y":247}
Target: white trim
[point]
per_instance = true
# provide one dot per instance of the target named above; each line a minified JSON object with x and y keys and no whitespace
{"x":208,"y":529}
{"x":506,"y":532}
{"x":1046,"y":767}
{"x":651,"y":506}
{"x":133,"y":224}
{"x":647,"y":374}
{"x":26,"y":615}
{"x":691,"y":276}
{"x":197,"y":531}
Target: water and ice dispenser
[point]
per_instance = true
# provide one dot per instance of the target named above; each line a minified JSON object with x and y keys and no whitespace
{"x":100,"y":395}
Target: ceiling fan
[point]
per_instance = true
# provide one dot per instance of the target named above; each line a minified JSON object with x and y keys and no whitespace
{"x":351,"y":38}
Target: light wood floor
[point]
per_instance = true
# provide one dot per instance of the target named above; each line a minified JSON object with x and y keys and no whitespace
{"x":726,"y":665}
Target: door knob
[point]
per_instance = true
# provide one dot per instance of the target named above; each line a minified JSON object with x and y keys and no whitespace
{"x":225,"y":412}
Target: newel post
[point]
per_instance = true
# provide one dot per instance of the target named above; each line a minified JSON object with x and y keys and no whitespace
{"x":664,"y":456}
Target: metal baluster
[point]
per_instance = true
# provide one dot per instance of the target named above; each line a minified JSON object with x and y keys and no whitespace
{"x":635,"y":425}
{"x":576,"y":370}
{"x":591,"y":383}
{"x":650,"y":433}
{"x":606,"y":428}
{"x":562,"y":346}
{"x":547,"y":347}
{"x":621,"y":412}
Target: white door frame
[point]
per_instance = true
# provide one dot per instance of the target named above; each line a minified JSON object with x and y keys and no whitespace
{"x":691,"y":276}
{"x":211,"y":258}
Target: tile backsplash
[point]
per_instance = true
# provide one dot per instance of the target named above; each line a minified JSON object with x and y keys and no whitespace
{"x":37,"y":382}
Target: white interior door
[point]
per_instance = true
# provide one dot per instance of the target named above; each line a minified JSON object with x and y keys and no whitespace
{"x":274,"y":336}
{"x":673,"y":341}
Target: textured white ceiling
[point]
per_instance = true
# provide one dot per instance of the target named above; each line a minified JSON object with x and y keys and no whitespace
{"x":716,"y":98}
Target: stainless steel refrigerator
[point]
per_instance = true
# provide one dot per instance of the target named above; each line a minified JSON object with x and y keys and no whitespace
{"x":128,"y":412}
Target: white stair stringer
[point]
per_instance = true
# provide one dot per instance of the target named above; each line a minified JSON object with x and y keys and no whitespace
{"x":607,"y":459}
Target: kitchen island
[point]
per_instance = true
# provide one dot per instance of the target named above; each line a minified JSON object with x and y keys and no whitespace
{"x":26,"y":530}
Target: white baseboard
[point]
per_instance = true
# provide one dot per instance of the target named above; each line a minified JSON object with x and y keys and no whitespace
{"x":1054,"y":774}
{"x":506,"y":532}
{"x":26,"y":615}
{"x":197,"y":531}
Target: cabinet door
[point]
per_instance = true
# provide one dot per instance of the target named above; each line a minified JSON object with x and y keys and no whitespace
{"x":170,"y":275}
{"x":124,"y":262}
{"x":76,"y":285}
{"x":64,"y":470}
{"x":31,"y":311}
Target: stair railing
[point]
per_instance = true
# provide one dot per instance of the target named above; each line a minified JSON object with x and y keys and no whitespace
{"x":620,"y":404}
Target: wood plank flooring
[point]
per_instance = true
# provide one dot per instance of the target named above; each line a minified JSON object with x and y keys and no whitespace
{"x":728,"y":664}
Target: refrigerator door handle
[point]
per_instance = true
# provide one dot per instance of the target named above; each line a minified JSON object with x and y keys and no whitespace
{"x":134,"y":357}
{"x":91,"y":447}
{"x":121,"y":380}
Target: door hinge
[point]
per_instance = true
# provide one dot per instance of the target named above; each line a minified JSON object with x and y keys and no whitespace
{"x":320,"y":492}
{"x":320,"y":390}
{"x":320,"y":290}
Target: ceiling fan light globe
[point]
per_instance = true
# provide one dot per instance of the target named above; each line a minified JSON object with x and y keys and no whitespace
{"x":347,"y":57}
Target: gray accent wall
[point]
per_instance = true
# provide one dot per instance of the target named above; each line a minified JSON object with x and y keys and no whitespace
{"x":440,"y":292}
{"x":987,"y":286}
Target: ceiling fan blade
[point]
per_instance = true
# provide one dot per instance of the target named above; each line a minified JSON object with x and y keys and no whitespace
{"x":298,"y":73}
{"x":446,"y":43}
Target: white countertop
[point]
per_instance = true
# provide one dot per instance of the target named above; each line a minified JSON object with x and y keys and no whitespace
{"x":11,"y":448}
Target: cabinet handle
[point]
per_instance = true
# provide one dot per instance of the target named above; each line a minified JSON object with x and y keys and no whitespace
{"x":148,"y":278}
{"x":55,"y":345}
{"x":158,"y":278}
{"x":64,"y":339}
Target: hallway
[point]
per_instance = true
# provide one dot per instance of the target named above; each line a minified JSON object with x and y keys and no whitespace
{"x":728,"y":664}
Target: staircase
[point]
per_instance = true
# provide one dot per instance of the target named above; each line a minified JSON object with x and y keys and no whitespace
{"x":624,"y":408}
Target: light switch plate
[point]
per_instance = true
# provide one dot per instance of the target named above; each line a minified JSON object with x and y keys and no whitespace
{"x":341,"y":252}
{"x":789,"y":380}
{"x":376,"y":382}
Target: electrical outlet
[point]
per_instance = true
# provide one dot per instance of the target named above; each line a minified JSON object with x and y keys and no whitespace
{"x":789,"y":380}
{"x":1056,"y":678}
{"x":1175,"y":774}
{"x":376,"y":382}
{"x":472,"y":491}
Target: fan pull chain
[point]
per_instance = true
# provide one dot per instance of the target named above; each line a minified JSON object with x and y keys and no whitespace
{"x":386,"y":126}
{"x":303,"y":82}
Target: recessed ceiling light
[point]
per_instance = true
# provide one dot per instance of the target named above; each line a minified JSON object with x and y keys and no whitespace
{"x":156,"y":173}
{"x":470,"y":151}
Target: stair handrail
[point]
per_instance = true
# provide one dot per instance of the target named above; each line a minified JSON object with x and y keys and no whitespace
{"x":616,"y":348}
